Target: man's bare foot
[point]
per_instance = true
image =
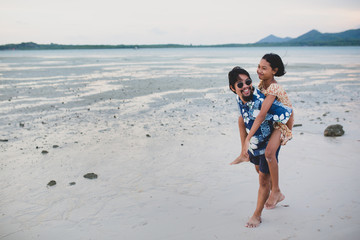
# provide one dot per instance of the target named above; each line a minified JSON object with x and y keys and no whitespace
{"x":240,"y":159}
{"x":253,"y":222}
{"x":274,"y":198}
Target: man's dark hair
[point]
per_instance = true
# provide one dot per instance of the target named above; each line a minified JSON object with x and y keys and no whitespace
{"x":275,"y":62}
{"x":234,"y":75}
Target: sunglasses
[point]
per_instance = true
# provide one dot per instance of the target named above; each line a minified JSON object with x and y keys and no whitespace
{"x":247,"y":82}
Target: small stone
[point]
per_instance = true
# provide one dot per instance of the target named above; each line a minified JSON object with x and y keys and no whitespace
{"x":52,"y":183}
{"x":72,"y":183}
{"x":335,"y":130}
{"x":21,"y":124}
{"x":55,"y":146}
{"x":91,"y":176}
{"x":4,"y":140}
{"x":297,"y":125}
{"x":44,"y":152}
{"x":148,"y":135}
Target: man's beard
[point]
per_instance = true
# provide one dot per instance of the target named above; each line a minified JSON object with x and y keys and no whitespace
{"x":250,"y":97}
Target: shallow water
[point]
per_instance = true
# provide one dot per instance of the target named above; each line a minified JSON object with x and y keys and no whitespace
{"x":45,"y":86}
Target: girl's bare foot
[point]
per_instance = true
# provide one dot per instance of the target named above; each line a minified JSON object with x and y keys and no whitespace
{"x":274,"y":198}
{"x":241,"y":159}
{"x":253,"y":222}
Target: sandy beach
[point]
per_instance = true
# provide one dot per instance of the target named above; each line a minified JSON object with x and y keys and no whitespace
{"x":160,"y":138}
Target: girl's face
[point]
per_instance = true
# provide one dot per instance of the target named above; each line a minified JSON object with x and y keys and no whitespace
{"x":265,"y":71}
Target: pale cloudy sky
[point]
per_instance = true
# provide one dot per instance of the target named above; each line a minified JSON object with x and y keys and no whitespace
{"x":168,"y":21}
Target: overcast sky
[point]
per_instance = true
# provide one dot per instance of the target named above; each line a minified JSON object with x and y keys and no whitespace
{"x":167,"y":21}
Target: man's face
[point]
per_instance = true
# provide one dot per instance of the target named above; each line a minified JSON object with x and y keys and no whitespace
{"x":243,"y":87}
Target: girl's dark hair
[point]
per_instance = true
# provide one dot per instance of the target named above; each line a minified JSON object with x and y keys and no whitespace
{"x":275,"y":62}
{"x":234,"y":74}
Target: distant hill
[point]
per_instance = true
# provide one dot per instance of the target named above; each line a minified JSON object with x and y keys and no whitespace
{"x":311,"y":38}
{"x":274,"y":39}
{"x":316,"y":38}
{"x":312,"y":35}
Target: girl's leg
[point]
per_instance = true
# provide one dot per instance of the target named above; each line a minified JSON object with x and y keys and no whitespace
{"x":290,"y":122}
{"x":270,"y":155}
{"x":257,"y":168}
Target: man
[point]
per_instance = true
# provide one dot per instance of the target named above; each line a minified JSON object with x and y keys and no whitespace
{"x":250,"y":100}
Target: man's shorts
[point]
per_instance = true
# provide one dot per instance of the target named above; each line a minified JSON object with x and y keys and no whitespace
{"x":261,"y":161}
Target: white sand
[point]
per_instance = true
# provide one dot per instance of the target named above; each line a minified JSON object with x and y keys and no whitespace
{"x":177,"y":183}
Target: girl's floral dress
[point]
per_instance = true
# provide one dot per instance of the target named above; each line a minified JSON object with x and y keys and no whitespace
{"x":280,"y":94}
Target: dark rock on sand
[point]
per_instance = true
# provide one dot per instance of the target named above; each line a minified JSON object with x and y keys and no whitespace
{"x":4,"y":140}
{"x":44,"y":152}
{"x":72,"y":183}
{"x":297,"y":125}
{"x":52,"y":183}
{"x":55,"y":146}
{"x":91,"y":176}
{"x":335,"y":130}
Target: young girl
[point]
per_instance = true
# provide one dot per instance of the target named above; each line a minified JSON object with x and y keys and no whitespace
{"x":270,"y":66}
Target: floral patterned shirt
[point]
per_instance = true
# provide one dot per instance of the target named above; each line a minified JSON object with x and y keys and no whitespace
{"x":278,"y":112}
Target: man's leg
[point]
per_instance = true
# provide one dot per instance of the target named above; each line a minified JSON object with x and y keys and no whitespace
{"x":263,"y":194}
{"x":270,"y":155}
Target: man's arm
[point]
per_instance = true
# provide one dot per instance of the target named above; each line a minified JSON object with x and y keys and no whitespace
{"x":243,"y":134}
{"x":242,"y":130}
